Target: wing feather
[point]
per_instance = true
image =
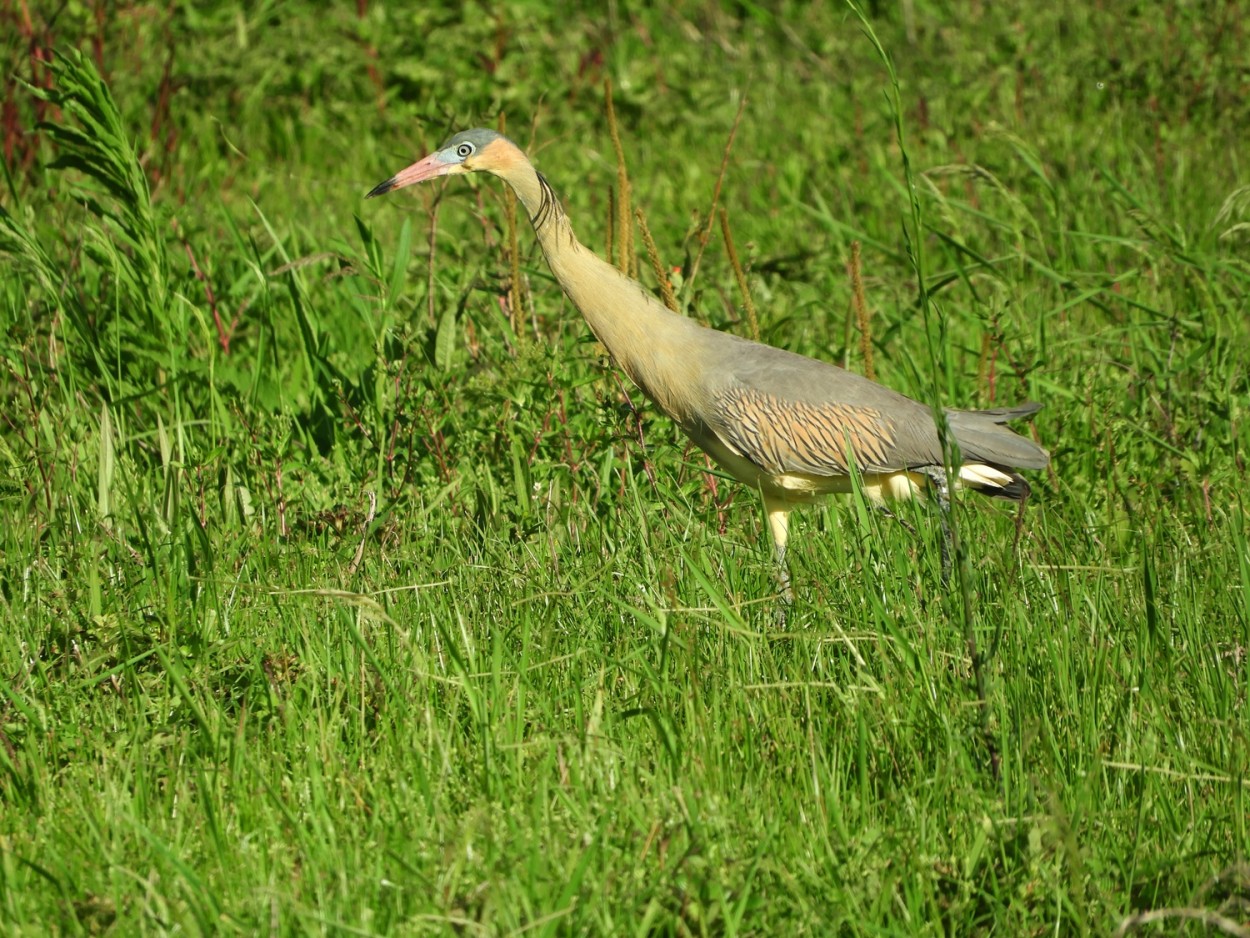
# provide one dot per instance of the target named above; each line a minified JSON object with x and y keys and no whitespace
{"x":783,"y":436}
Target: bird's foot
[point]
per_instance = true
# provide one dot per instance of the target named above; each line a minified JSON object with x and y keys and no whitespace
{"x":785,"y":592}
{"x":889,"y":514}
{"x":937,"y":476}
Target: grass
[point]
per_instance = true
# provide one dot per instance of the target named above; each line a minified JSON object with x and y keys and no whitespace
{"x":338,"y":598}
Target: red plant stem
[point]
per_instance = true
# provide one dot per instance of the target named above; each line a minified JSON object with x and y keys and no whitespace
{"x":223,"y":333}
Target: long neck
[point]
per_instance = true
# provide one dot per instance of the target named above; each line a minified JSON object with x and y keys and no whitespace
{"x":650,"y":342}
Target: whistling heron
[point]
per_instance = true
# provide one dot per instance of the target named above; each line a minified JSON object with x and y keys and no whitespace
{"x":792,"y":427}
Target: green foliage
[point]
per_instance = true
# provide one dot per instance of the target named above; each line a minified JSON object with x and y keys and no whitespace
{"x":331,"y":603}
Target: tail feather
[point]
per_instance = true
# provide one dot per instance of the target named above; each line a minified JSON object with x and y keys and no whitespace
{"x":995,"y":481}
{"x":1004,"y":414}
{"x":982,"y":437}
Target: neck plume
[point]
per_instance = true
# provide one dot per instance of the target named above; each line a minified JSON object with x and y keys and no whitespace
{"x":645,"y":338}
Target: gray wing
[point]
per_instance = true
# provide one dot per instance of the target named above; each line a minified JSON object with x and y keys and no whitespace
{"x":784,"y":436}
{"x":789,"y":413}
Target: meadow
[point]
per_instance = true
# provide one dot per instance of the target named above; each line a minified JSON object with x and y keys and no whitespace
{"x":347,"y":589}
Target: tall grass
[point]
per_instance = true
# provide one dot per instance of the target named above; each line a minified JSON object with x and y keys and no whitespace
{"x":338,"y":597}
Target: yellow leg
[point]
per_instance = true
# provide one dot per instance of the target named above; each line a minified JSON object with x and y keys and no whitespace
{"x":778,"y":512}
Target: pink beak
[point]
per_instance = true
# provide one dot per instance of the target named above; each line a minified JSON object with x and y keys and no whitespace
{"x":428,"y":168}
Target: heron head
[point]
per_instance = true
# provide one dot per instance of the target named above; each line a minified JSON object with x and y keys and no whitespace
{"x":466,"y":152}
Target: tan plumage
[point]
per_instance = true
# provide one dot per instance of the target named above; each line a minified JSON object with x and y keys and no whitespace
{"x":787,"y":425}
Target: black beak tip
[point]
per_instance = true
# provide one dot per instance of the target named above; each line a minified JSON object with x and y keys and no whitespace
{"x":381,"y":188}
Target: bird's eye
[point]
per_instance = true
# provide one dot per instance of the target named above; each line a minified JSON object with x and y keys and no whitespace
{"x":464,"y":151}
